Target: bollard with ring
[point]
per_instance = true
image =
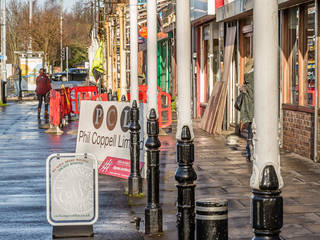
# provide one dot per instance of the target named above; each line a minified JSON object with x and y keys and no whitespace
{"x":153,"y":210}
{"x":134,"y":180}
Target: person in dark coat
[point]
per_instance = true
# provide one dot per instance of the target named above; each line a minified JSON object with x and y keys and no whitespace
{"x":42,"y":91}
{"x":247,"y":108}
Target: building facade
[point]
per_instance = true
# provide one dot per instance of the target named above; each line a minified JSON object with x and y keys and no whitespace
{"x":298,"y":64}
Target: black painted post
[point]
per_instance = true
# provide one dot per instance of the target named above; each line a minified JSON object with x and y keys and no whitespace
{"x":115,"y":96}
{"x":123,"y":98}
{"x":267,"y":207}
{"x":185,"y":175}
{"x":110,"y":95}
{"x":212,"y":219}
{"x":134,"y":180}
{"x":153,"y":211}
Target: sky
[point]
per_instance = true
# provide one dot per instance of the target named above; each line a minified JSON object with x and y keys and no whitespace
{"x":67,"y":4}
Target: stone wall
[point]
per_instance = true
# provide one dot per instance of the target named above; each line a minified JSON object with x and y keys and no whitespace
{"x":298,"y":130}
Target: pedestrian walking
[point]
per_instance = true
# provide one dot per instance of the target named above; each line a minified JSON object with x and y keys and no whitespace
{"x":247,"y":108}
{"x":17,"y":81}
{"x":42,"y":91}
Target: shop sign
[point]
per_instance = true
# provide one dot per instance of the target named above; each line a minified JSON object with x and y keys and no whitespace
{"x":72,"y":189}
{"x":104,"y":130}
{"x":116,"y":167}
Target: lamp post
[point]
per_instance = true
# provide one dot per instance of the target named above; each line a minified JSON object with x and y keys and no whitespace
{"x":185,"y":174}
{"x":3,"y":49}
{"x":153,"y":210}
{"x":266,"y":180}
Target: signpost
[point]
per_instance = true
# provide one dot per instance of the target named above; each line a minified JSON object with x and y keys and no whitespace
{"x":104,"y":131}
{"x":72,"y":194}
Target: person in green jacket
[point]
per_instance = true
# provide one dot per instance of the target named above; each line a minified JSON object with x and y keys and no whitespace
{"x":247,"y":108}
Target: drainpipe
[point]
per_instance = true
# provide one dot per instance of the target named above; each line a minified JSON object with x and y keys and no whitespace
{"x":316,"y":90}
{"x":266,"y":180}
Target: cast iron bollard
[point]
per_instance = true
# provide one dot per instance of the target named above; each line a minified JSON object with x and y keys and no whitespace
{"x":153,"y":211}
{"x":267,"y":207}
{"x":114,"y":96}
{"x":123,"y":98}
{"x":110,"y":95}
{"x":185,"y":175}
{"x":212,"y":219}
{"x":134,"y":180}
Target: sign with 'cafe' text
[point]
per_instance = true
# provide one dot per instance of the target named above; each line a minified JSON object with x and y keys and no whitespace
{"x":104,"y":131}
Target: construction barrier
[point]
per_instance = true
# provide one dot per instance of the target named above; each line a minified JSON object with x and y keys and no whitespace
{"x":60,"y":105}
{"x":67,"y":100}
{"x":143,"y":89}
{"x":164,"y":108}
{"x":81,"y":93}
{"x":55,"y":108}
{"x":100,"y":97}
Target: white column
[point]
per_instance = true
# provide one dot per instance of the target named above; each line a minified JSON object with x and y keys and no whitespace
{"x":123,"y":80}
{"x":266,"y":92}
{"x":134,"y":91}
{"x":152,"y":55}
{"x":184,"y":66}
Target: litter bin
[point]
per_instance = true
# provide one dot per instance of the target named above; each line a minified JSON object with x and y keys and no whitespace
{"x":4,"y":91}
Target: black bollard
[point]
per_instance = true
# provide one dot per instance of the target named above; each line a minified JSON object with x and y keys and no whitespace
{"x":110,"y":95}
{"x":114,"y":96}
{"x":123,"y":98}
{"x":185,"y":175}
{"x":267,"y":207}
{"x":212,"y":219}
{"x":153,"y":211}
{"x":134,"y":180}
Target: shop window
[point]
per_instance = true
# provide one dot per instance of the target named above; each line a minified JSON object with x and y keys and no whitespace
{"x":311,"y":54}
{"x":293,"y":53}
{"x":298,"y":55}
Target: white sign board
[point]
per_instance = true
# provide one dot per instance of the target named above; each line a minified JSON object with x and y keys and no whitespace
{"x":72,"y":189}
{"x":104,"y":130}
{"x":30,"y":68}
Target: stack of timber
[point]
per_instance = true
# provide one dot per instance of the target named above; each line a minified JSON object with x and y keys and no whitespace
{"x":212,"y":118}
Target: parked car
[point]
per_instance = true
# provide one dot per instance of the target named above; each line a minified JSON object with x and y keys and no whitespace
{"x":75,"y":74}
{"x":77,"y":77}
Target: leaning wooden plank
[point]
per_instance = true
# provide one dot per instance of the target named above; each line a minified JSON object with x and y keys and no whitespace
{"x":213,"y":108}
{"x":229,"y":48}
{"x":208,"y":112}
{"x":218,"y":124}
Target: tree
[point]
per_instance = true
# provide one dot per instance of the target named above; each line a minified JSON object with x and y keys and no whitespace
{"x":45,"y":29}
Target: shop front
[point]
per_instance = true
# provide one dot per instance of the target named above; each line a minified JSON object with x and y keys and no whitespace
{"x":298,"y":77}
{"x":206,"y":46}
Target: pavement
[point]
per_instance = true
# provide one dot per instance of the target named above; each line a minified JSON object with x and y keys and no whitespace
{"x":223,"y":172}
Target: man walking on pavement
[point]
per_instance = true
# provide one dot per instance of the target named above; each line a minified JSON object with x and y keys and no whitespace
{"x":42,"y":91}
